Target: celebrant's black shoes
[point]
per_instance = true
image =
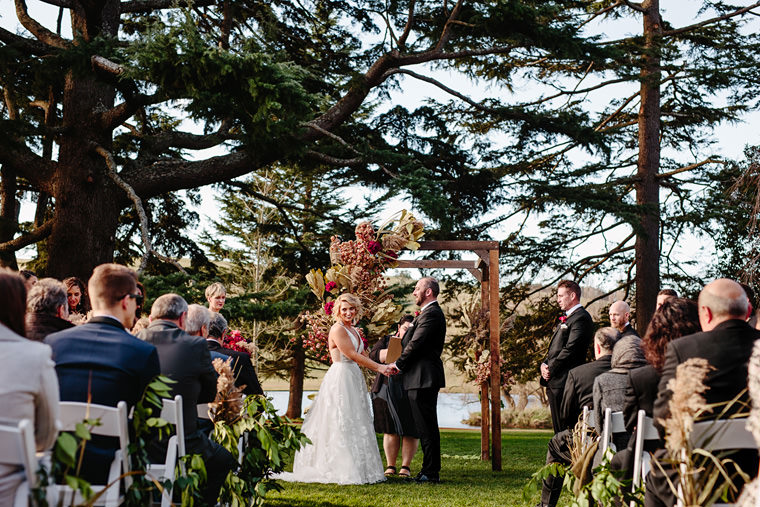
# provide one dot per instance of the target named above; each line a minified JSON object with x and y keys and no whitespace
{"x":425,"y":479}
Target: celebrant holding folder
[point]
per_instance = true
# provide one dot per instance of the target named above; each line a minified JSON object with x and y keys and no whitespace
{"x":390,"y":405}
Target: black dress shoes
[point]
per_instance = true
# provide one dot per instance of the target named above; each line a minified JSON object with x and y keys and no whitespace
{"x":426,"y":479}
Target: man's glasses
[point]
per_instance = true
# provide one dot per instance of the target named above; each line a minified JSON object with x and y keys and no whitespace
{"x":139,"y":298}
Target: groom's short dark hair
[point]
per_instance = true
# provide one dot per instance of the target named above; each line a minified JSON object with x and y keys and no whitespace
{"x":571,"y":286}
{"x":431,"y":283}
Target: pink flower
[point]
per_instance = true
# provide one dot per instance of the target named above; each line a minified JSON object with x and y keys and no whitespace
{"x":329,"y":307}
{"x":330,"y":286}
{"x":416,"y":313}
{"x":563,"y":319}
{"x":374,"y":246}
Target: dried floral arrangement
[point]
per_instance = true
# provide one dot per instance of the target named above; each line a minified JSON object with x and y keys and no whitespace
{"x":358,"y":267}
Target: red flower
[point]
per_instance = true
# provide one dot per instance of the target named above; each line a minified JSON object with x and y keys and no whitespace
{"x":562,"y":319}
{"x":416,"y":313}
{"x":374,"y":246}
{"x":329,"y":307}
{"x":330,"y":286}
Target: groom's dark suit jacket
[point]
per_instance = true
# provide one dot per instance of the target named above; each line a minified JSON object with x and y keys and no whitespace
{"x":568,"y":347}
{"x":420,"y":360}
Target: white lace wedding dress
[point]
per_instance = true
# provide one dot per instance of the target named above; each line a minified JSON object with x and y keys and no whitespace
{"x":343,"y":446}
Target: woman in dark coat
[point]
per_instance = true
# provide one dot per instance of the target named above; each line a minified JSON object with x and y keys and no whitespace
{"x":391,"y":409}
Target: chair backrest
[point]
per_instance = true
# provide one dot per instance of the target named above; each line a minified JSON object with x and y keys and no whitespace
{"x":720,"y":435}
{"x":645,"y":430}
{"x":17,"y":449}
{"x":113,"y":423}
{"x":203,"y":411}
{"x":613,"y":423}
{"x":588,"y":422}
{"x":172,"y":413}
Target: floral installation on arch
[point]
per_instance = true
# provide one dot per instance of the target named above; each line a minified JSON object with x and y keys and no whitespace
{"x":358,"y":267}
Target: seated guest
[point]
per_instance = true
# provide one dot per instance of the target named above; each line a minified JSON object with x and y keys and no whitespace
{"x":186,"y":360}
{"x":47,"y":309}
{"x":609,"y":387}
{"x":101,"y":362}
{"x":29,"y":279}
{"x":23,"y":395}
{"x":216,"y":295}
{"x":675,"y":318}
{"x":620,"y":319}
{"x":664,"y":295}
{"x":198,"y":319}
{"x":79,"y":302}
{"x":726,"y":342}
{"x":578,"y":393}
{"x":242,"y":367}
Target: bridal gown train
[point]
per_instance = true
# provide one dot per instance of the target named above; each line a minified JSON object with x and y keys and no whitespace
{"x":339,"y":424}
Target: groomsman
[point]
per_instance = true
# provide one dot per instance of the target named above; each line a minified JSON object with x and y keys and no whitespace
{"x":568,"y":347}
{"x":422,"y":368}
{"x":620,"y":319}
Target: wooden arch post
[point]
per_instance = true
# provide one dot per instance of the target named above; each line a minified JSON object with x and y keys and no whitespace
{"x":486,"y":271}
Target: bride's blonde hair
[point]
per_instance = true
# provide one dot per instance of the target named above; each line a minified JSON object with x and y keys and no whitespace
{"x":352,"y":300}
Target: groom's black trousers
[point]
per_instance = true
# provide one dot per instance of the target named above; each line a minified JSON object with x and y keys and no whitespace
{"x":424,"y":405}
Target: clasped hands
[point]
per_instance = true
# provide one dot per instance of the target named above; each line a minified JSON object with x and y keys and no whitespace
{"x":389,"y":370}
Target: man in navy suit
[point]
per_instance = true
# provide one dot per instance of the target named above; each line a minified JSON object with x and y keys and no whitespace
{"x":422,"y":368}
{"x":568,"y":347}
{"x":100,"y":361}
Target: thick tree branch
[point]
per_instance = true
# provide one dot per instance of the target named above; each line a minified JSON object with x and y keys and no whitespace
{"x":66,"y":4}
{"x":30,"y":238}
{"x":152,"y":5}
{"x":122,"y":112}
{"x":408,"y":27}
{"x":43,"y":34}
{"x":144,"y":230}
{"x":689,"y":168}
{"x":738,"y":12}
{"x":29,"y":165}
{"x":635,"y":6}
{"x":160,"y":142}
{"x":30,"y":46}
{"x":446,"y":34}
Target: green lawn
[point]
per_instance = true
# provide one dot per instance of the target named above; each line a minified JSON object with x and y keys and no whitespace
{"x":465,"y":480}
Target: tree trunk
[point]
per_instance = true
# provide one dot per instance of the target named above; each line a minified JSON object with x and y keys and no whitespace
{"x":8,"y":215}
{"x":297,"y":371}
{"x":647,"y":186}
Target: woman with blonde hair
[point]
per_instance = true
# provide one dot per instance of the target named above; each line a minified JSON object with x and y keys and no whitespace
{"x":343,"y":446}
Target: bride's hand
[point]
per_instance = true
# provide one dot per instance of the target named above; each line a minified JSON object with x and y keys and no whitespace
{"x":385,"y":370}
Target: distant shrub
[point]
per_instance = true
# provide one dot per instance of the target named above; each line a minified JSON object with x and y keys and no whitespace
{"x":531,"y":418}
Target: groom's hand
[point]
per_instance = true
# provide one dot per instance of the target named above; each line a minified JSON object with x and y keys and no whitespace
{"x":394,"y":369}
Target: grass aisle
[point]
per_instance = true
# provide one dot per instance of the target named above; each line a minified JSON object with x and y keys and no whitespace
{"x":465,"y":479}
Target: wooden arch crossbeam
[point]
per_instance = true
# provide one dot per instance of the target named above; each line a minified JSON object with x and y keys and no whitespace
{"x":486,"y":270}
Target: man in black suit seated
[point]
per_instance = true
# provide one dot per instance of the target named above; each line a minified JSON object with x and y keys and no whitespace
{"x":420,"y":363}
{"x":620,"y":319}
{"x":186,"y":360}
{"x":578,"y":393}
{"x":568,"y":346}
{"x":242,"y":368}
{"x":726,"y":342}
{"x":101,"y":362}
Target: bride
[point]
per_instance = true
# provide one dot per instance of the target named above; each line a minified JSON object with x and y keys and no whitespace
{"x":343,"y":446}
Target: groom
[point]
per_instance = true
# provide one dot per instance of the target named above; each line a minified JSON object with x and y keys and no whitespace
{"x":420,"y":362}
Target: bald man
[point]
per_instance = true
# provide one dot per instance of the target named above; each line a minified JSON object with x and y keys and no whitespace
{"x":726,"y":342}
{"x":620,"y":319}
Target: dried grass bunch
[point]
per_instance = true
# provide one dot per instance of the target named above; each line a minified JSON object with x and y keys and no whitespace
{"x":228,"y":404}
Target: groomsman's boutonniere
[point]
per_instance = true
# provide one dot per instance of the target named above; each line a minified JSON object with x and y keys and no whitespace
{"x":562,"y":321}
{"x":417,"y":313}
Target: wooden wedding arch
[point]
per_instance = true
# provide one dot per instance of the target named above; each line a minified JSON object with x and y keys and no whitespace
{"x":486,"y":270}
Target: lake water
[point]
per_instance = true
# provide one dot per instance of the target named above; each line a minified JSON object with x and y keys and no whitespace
{"x":452,"y":407}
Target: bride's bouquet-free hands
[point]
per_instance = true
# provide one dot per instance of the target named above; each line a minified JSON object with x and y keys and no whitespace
{"x":392,"y":370}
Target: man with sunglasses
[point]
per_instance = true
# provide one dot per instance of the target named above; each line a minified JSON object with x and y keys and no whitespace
{"x":100,"y":361}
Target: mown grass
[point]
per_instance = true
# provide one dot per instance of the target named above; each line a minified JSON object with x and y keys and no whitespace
{"x":465,"y":480}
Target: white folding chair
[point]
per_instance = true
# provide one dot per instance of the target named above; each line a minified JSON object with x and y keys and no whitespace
{"x":587,"y":422}
{"x":17,"y":449}
{"x":113,"y":423}
{"x":645,"y":430}
{"x":203,"y":413}
{"x":171,"y":412}
{"x":721,"y":435}
{"x":613,"y":423}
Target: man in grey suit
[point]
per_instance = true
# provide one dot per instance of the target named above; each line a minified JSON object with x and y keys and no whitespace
{"x":421,"y":365}
{"x":186,"y":360}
